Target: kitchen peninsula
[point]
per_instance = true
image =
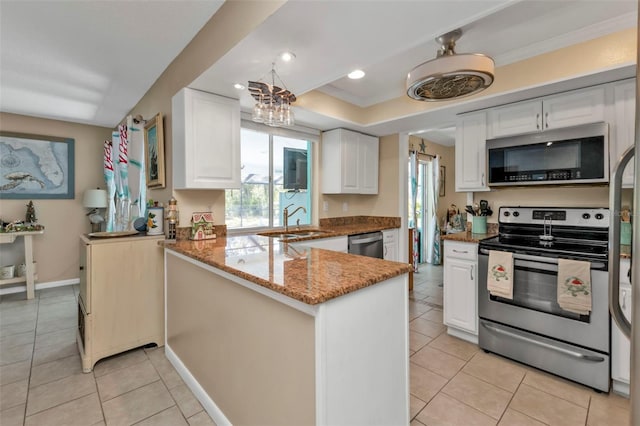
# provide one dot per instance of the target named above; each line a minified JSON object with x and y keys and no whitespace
{"x":268,"y":332}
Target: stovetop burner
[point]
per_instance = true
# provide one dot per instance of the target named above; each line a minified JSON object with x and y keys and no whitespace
{"x":575,"y":233}
{"x":559,"y":247}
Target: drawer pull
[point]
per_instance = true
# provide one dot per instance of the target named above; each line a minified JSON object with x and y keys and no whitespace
{"x":461,"y":252}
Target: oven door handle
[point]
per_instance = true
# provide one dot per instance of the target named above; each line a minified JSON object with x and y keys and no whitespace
{"x":540,"y":259}
{"x":573,"y":354}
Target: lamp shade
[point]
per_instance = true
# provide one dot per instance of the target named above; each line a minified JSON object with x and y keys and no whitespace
{"x":95,"y":198}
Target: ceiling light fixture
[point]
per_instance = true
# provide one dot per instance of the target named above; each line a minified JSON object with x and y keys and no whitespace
{"x":273,"y":104}
{"x":450,"y":75}
{"x":356,"y":74}
{"x":239,"y":86}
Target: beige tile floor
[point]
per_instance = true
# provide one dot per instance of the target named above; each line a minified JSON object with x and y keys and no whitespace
{"x":41,"y":379}
{"x":452,"y":381}
{"x":455,"y":383}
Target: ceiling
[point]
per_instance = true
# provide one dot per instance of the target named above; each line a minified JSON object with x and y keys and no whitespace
{"x":90,"y":61}
{"x":48,"y":70}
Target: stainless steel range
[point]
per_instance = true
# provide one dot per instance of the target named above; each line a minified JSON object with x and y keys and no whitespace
{"x":532,"y":328}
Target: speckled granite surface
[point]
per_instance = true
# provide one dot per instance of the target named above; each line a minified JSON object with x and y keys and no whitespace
{"x":309,"y":275}
{"x":380,"y":222}
{"x":467,"y":237}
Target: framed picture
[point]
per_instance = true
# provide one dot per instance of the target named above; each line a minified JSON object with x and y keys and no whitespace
{"x":35,"y":166}
{"x":443,"y":174}
{"x":154,"y":152}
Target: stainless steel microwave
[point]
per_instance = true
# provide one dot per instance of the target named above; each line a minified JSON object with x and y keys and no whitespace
{"x":563,"y":156}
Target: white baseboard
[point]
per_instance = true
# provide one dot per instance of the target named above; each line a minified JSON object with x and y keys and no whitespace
{"x":39,"y":286}
{"x":201,"y":395}
{"x":464,"y":335}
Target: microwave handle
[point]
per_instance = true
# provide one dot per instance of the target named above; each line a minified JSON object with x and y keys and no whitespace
{"x":615,"y":195}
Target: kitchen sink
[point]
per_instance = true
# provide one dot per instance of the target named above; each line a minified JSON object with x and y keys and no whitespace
{"x":293,"y":233}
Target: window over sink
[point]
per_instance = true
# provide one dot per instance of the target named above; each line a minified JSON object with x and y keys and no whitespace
{"x":275,"y":173}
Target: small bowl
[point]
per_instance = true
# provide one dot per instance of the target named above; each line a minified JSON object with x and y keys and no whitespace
{"x":6,"y":272}
{"x":140,"y":224}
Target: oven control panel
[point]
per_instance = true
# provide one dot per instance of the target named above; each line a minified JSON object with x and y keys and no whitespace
{"x":595,"y":217}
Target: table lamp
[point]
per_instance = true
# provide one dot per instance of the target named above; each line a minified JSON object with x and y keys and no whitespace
{"x":95,"y":199}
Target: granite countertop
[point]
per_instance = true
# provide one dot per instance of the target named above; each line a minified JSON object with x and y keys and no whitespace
{"x":309,"y":275}
{"x":467,"y":237}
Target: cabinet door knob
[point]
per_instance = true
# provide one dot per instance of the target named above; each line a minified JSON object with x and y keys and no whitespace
{"x":546,"y":119}
{"x":538,"y":121}
{"x":82,"y":268}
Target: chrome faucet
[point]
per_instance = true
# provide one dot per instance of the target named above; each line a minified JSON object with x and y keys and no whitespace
{"x":287,"y":215}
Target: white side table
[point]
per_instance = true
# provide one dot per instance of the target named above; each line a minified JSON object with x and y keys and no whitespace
{"x":30,"y":276}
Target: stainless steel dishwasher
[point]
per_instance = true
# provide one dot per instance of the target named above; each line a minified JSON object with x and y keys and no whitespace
{"x":369,"y":244}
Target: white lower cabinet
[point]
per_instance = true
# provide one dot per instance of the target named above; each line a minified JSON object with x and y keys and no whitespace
{"x":620,"y":346}
{"x":390,"y":239}
{"x":460,"y":289}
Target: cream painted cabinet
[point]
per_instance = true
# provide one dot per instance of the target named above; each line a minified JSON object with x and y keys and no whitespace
{"x":471,"y":154}
{"x":121,"y":303}
{"x":563,"y":110}
{"x":206,"y":141}
{"x":623,"y":131}
{"x":390,"y":240}
{"x":460,"y":305}
{"x":620,"y":346}
{"x":349,"y":163}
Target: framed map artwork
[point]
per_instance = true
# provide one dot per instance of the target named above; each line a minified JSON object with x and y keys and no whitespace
{"x":34,"y":166}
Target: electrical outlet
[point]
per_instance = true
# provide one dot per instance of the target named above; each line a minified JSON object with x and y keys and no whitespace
{"x":345,"y":207}
{"x":325,"y":206}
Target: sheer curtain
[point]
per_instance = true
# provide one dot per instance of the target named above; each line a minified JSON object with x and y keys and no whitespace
{"x":433,"y":244}
{"x":413,"y":198}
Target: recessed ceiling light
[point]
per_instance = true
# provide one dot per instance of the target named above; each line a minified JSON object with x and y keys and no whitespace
{"x":239,"y":86}
{"x":288,"y":56}
{"x":356,"y":74}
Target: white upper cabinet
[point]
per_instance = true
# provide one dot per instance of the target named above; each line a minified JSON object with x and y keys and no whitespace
{"x":206,"y":141}
{"x":349,"y":163}
{"x":622,"y":132}
{"x":515,"y":119}
{"x":563,"y":110}
{"x":471,"y":154}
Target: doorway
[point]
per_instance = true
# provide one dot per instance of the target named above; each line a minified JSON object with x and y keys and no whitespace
{"x":425,"y":209}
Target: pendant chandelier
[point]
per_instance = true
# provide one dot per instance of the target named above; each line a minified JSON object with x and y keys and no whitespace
{"x":273,"y":104}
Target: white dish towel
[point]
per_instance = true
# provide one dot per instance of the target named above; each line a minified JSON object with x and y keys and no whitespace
{"x":500,"y":274}
{"x":574,"y":286}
